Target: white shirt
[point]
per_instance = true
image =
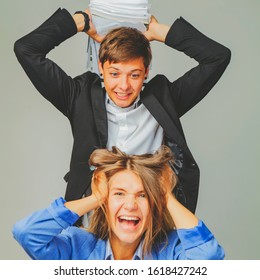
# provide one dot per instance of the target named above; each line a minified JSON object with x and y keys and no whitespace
{"x":133,"y":129}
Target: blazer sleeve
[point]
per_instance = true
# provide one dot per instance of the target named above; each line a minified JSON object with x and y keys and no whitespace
{"x":212,"y":59}
{"x":48,"y":78}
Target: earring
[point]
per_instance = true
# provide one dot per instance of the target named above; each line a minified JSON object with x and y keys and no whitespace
{"x":101,"y":75}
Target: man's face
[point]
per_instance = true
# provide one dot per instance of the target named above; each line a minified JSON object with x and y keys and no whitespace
{"x":124,"y":81}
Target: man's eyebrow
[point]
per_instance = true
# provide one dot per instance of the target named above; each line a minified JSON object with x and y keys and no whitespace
{"x":115,"y":68}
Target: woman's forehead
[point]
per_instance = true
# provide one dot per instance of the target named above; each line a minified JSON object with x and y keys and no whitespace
{"x":127,"y":181}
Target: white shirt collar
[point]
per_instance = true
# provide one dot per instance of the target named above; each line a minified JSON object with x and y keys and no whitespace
{"x":120,"y":109}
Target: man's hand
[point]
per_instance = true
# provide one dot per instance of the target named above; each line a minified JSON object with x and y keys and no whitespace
{"x":156,"y":31}
{"x":92,"y":32}
{"x":80,"y":23}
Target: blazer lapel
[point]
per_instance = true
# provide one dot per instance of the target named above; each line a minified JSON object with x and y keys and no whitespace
{"x":99,"y":111}
{"x":158,"y":112}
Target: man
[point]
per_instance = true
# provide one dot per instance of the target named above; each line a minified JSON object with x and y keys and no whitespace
{"x":124,"y":114}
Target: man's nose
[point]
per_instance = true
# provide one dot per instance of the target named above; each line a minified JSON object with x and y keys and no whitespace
{"x":124,"y":83}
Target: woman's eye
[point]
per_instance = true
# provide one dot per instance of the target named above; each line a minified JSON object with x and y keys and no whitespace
{"x":142,"y":195}
{"x":119,"y":194}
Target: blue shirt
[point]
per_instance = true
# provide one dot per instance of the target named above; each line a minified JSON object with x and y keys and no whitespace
{"x":138,"y":255}
{"x":49,"y":234}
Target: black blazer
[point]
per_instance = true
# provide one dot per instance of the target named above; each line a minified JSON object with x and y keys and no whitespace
{"x":82,"y":98}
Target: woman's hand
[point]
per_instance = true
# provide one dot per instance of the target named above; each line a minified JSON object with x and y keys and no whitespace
{"x":181,"y":216}
{"x":168,"y":181}
{"x":99,"y":193}
{"x":99,"y":186}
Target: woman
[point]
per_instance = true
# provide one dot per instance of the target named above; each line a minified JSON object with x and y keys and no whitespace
{"x":135,"y":216}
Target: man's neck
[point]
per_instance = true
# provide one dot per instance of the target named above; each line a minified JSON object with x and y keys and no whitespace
{"x":125,"y":109}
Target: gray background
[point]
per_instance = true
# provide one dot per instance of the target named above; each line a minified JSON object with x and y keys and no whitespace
{"x":222,"y":131}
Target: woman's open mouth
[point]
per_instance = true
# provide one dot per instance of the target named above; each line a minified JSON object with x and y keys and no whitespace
{"x":129,"y":220}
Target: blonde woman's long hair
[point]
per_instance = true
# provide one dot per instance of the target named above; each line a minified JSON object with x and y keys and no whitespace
{"x":155,"y":173}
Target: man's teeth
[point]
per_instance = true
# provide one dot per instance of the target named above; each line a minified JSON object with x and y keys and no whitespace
{"x":122,"y":94}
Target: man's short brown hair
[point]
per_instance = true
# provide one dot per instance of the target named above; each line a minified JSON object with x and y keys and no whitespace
{"x":124,"y":44}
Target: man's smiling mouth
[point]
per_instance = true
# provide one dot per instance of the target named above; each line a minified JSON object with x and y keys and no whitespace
{"x":122,"y":95}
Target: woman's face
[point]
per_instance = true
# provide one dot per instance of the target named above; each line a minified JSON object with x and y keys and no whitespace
{"x":128,"y":208}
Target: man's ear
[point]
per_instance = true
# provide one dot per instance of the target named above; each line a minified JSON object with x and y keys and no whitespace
{"x":100,"y":68}
{"x":147,"y":72}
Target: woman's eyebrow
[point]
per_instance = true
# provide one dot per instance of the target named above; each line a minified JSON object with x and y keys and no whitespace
{"x":124,"y":189}
{"x":118,"y":189}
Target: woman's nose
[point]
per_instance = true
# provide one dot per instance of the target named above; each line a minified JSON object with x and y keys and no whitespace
{"x":130,"y":203}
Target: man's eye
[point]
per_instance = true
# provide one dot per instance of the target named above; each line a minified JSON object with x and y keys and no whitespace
{"x":114,"y":74}
{"x":135,"y":76}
